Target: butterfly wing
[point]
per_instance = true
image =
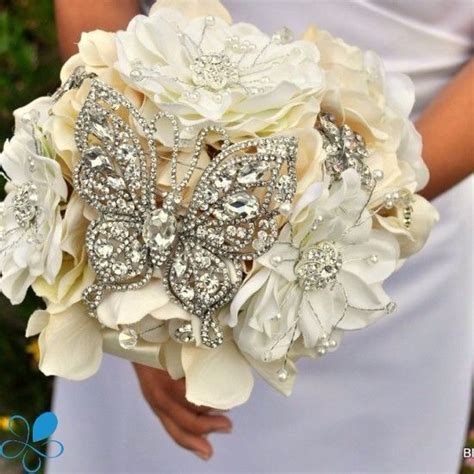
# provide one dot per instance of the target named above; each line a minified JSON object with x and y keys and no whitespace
{"x":232,"y":217}
{"x":240,"y":195}
{"x":116,"y":177}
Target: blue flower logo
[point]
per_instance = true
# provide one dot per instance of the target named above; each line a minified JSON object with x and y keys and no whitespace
{"x":19,"y":447}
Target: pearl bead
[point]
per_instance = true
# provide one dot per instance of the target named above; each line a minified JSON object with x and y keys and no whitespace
{"x":374,"y":258}
{"x":276,"y":260}
{"x":388,"y":202}
{"x":217,"y":98}
{"x":136,"y":75}
{"x":332,"y":343}
{"x":282,"y":374}
{"x":285,"y":208}
{"x":322,"y":351}
{"x":378,"y":175}
{"x":210,"y":20}
{"x":192,"y":96}
{"x":395,"y":196}
{"x":318,"y":220}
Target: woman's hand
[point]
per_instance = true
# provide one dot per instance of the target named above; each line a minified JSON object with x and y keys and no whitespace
{"x":186,"y":423}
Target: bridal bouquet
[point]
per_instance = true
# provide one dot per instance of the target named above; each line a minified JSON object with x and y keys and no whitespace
{"x":204,"y":198}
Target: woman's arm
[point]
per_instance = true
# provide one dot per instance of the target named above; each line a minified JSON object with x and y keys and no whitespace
{"x":75,"y":16}
{"x":447,"y":129}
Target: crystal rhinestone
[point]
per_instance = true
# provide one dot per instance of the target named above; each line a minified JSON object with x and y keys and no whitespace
{"x":391,"y":307}
{"x":252,"y":172}
{"x":243,"y":205}
{"x":259,"y":245}
{"x":284,"y":189}
{"x":128,"y":338}
{"x":187,"y":293}
{"x":214,"y":71}
{"x":210,"y":196}
{"x":202,"y":260}
{"x":119,"y":269}
{"x":116,"y":182}
{"x":231,"y":231}
{"x":209,"y":283}
{"x":25,"y":203}
{"x":242,"y":233}
{"x":159,"y":229}
{"x":184,"y":333}
{"x":127,"y":153}
{"x":120,"y":229}
{"x":97,"y":158}
{"x":318,"y":266}
{"x":104,"y":249}
{"x":179,"y":267}
{"x":100,"y":128}
{"x":222,"y":182}
{"x":135,"y":257}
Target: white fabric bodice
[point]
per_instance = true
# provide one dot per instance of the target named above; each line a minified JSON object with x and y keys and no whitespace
{"x":393,"y":398}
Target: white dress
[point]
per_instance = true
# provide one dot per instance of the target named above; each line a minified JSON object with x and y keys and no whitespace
{"x":393,"y":398}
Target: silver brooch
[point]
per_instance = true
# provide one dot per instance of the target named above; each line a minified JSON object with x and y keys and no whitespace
{"x":344,"y":149}
{"x":232,"y":216}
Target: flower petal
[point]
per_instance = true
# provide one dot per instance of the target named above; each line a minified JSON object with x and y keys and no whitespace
{"x":128,"y":307}
{"x":219,"y":378}
{"x":356,"y":258}
{"x":37,"y":322}
{"x":71,"y":344}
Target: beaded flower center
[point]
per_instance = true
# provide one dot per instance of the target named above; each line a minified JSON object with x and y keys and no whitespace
{"x":318,"y":266}
{"x":214,"y":71}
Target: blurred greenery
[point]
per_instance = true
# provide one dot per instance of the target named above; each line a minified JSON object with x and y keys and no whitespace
{"x":29,"y":66}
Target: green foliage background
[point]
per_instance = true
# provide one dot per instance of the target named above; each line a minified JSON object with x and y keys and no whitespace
{"x":29,"y":68}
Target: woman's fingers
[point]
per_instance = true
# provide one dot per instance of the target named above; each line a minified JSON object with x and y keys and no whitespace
{"x":172,"y":402}
{"x":195,"y":423}
{"x":186,"y":423}
{"x":198,"y":444}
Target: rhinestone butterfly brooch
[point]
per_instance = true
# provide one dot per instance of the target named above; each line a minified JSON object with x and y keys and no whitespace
{"x":199,"y":252}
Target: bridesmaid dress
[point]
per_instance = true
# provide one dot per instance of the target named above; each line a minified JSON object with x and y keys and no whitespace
{"x":393,"y":398}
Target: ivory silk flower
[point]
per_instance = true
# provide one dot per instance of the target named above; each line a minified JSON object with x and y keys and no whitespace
{"x":30,"y":224}
{"x":324,"y":274}
{"x":205,"y":69}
